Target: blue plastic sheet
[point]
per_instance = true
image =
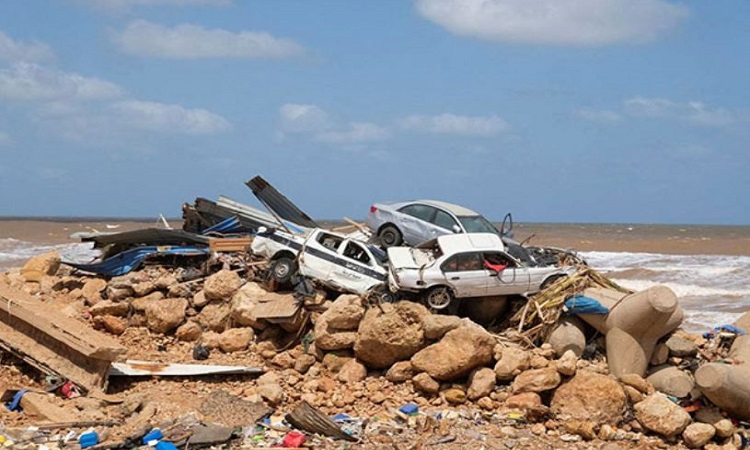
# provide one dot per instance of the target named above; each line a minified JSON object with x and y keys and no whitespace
{"x":581,"y":304}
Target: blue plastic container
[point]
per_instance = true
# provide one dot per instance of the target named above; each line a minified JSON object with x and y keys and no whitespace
{"x":89,"y":439}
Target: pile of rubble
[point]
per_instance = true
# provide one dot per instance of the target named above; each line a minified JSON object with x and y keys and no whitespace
{"x":347,"y":373}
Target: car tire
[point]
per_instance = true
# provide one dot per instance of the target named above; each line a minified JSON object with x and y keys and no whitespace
{"x":282,"y":269}
{"x":439,"y":298}
{"x":550,"y":281}
{"x":390,"y":236}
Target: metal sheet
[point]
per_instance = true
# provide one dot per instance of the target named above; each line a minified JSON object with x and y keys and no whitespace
{"x":278,"y":203}
{"x":136,"y":368}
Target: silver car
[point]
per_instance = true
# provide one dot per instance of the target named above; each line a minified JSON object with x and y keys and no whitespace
{"x":413,"y":222}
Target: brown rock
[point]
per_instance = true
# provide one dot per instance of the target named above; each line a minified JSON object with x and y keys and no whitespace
{"x":199,"y":300}
{"x":222,"y":285}
{"x":634,"y":395}
{"x":244,"y":302}
{"x":214,"y":317}
{"x":457,"y":354}
{"x":345,"y":313}
{"x":140,"y":304}
{"x":537,"y":380}
{"x":114,"y":325}
{"x":696,"y":435}
{"x":92,"y":290}
{"x":512,"y":362}
{"x":390,"y":336}
{"x":584,"y":428}
{"x":660,"y":415}
{"x":189,"y":332}
{"x":326,"y":385}
{"x":180,"y":290}
{"x":486,"y":403}
{"x":523,"y":401}
{"x":724,"y":427}
{"x":400,"y":372}
{"x":120,"y":292}
{"x":334,"y":362}
{"x":590,"y":396}
{"x":303,"y":363}
{"x":165,"y":315}
{"x":211,"y":339}
{"x":352,"y":372}
{"x":481,"y":383}
{"x":143,"y":288}
{"x":538,"y":362}
{"x":165,"y":281}
{"x":671,"y":381}
{"x":284,"y":360}
{"x":681,"y":347}
{"x":235,"y":339}
{"x":272,"y":393}
{"x":567,"y":364}
{"x":425,"y":383}
{"x":110,"y":308}
{"x":39,"y":266}
{"x":454,"y":396}
{"x":638,"y":382}
{"x":436,"y":325}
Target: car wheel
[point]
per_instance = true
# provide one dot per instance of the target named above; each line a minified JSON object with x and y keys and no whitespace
{"x":550,"y":281}
{"x":438,"y":298}
{"x":283,"y":269}
{"x":390,"y":236}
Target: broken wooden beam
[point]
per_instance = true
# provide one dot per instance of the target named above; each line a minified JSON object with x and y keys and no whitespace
{"x":306,"y":417}
{"x":53,"y":343}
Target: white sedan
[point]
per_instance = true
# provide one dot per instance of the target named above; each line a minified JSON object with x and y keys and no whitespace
{"x":465,"y":265}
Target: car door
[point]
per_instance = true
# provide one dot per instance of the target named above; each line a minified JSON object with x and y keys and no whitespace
{"x":319,"y":255}
{"x":465,"y":273}
{"x":415,"y":223}
{"x":443,"y":223}
{"x":354,"y":269}
{"x":507,"y":276}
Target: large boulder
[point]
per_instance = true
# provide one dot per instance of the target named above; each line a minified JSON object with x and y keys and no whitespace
{"x":436,"y":325}
{"x":590,"y":396}
{"x":244,"y":302}
{"x":661,"y":415}
{"x":392,"y":334}
{"x":214,"y":317}
{"x":164,"y":315}
{"x":39,"y":266}
{"x":345,"y":313}
{"x":457,"y":354}
{"x":222,"y":285}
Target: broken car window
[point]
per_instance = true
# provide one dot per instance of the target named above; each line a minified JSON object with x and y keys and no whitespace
{"x":444,"y":220}
{"x":356,"y":252}
{"x":330,"y":241}
{"x":477,"y":224}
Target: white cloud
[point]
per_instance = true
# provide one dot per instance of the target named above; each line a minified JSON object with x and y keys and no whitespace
{"x":556,"y":22}
{"x":298,"y":118}
{"x":188,"y":41}
{"x":454,"y":124}
{"x":354,"y":133}
{"x":31,"y":82}
{"x":11,"y":50}
{"x":168,"y":118}
{"x":694,"y":112}
{"x":600,"y":116}
{"x":5,"y":138}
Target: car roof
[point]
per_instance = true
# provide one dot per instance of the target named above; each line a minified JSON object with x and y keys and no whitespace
{"x":462,"y":242}
{"x":457,"y":210}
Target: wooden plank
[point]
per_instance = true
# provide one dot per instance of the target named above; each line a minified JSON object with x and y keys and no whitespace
{"x":135,"y":368}
{"x":53,"y":343}
{"x":229,"y":244}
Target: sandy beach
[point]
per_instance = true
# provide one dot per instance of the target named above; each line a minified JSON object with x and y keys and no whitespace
{"x":667,"y":239}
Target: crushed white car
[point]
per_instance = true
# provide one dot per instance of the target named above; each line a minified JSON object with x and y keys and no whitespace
{"x":336,"y":261}
{"x":465,"y":265}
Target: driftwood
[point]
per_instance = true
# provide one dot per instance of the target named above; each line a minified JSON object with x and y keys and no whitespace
{"x":306,"y":417}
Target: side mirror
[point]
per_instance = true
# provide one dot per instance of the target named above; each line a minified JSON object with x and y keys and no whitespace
{"x":456,"y":229}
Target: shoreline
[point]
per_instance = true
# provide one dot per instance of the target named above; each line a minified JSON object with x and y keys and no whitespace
{"x":634,"y":238}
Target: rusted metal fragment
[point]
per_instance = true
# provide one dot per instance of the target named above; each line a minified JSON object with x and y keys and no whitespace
{"x":306,"y":417}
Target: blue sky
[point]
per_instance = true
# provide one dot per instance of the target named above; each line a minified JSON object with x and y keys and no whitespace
{"x":556,"y":110}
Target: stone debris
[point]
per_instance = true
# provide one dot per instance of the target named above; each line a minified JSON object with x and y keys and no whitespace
{"x":381,"y":375}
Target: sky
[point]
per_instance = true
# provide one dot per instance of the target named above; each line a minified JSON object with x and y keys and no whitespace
{"x":602,"y":111}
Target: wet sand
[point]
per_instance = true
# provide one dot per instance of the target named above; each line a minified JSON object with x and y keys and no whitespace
{"x":668,"y":239}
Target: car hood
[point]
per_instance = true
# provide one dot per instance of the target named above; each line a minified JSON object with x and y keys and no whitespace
{"x":401,"y":257}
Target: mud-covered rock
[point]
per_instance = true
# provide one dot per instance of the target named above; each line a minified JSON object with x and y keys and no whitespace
{"x":222,"y":285}
{"x":164,"y":315}
{"x":458,"y":353}
{"x":662,"y":416}
{"x":590,"y":396}
{"x":391,"y":335}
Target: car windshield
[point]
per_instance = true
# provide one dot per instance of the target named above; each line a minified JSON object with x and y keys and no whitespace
{"x":477,"y":224}
{"x":380,"y":255}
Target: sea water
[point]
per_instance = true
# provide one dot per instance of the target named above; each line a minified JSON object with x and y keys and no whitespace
{"x":712,"y":289}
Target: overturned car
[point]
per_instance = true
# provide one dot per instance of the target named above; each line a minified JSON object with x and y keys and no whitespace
{"x":465,"y":265}
{"x":332,"y":260}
